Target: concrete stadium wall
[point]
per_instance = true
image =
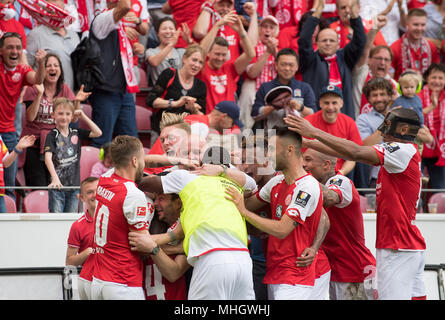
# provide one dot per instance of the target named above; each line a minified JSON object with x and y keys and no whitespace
{"x":40,"y":240}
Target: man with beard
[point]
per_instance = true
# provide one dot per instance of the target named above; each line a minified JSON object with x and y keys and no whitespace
{"x":121,"y":207}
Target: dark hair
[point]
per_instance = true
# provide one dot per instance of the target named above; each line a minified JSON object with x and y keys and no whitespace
{"x":433,"y":67}
{"x":88,"y":180}
{"x":216,"y":155}
{"x":377,"y":49}
{"x":323,"y":23}
{"x":61,"y":80}
{"x":7,"y":35}
{"x":287,"y":52}
{"x":161,"y":21}
{"x":284,"y":132}
{"x":378,"y":84}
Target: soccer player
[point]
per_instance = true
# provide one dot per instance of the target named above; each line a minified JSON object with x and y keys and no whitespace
{"x":344,"y":243}
{"x":296,"y":204}
{"x":400,"y":254}
{"x":121,"y":207}
{"x":81,"y":238}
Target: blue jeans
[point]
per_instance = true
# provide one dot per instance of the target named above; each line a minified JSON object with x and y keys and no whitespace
{"x":10,"y":140}
{"x":60,"y":201}
{"x":113,"y":113}
{"x":3,"y":205}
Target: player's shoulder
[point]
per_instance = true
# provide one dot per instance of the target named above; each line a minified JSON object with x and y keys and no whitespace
{"x":397,"y":147}
{"x":338,"y":180}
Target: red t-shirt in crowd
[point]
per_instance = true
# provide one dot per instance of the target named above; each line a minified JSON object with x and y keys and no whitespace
{"x":344,"y":127}
{"x":344,"y":243}
{"x":398,"y":193}
{"x":302,"y":202}
{"x":185,"y":12}
{"x":343,"y":33}
{"x":13,"y":25}
{"x":221,"y":84}
{"x":11,"y":83}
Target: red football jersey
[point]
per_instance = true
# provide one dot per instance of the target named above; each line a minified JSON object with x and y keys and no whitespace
{"x":157,"y":287}
{"x":344,"y":243}
{"x":344,"y":127}
{"x":398,"y":192}
{"x":221,"y":84}
{"x":302,"y":201}
{"x":121,"y":207}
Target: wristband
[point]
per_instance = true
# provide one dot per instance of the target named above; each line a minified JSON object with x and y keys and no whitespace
{"x":170,"y":103}
{"x":17,"y":151}
{"x":155,"y":250}
{"x":140,"y":21}
{"x":302,"y":108}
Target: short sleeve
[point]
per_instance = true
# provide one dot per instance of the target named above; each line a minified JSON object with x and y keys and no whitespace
{"x":135,"y":208}
{"x":265,"y":192}
{"x":395,"y":157}
{"x":304,"y":201}
{"x":343,"y":187}
{"x":73,"y":238}
{"x":50,"y":142}
{"x":175,"y":181}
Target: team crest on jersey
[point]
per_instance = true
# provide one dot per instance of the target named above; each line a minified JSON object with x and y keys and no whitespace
{"x":336,"y":181}
{"x":278,"y":211}
{"x":302,"y":198}
{"x":141,"y":211}
{"x":391,"y":147}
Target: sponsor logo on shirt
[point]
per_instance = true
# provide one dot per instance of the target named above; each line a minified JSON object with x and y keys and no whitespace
{"x":141,"y":211}
{"x":293,"y":212}
{"x":302,"y":198}
{"x":391,"y":147}
{"x":16,"y":77}
{"x":336,"y":181}
{"x":219,"y":82}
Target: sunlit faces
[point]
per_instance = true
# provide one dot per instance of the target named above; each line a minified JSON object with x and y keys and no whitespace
{"x":409,"y":88}
{"x":436,"y":80}
{"x":287,"y":66}
{"x":416,"y":27}
{"x":277,"y":153}
{"x":173,"y":140}
{"x":327,"y":42}
{"x":63,"y":114}
{"x":330,"y":105}
{"x":267,"y":30}
{"x":223,"y":7}
{"x":166,"y":32}
{"x":379,"y":100}
{"x":88,"y":193}
{"x":11,"y":51}
{"x":53,"y":70}
{"x":167,"y":207}
{"x":217,"y":56}
{"x":380,"y":63}
{"x":344,"y":10}
{"x":313,"y":164}
{"x":193,"y":64}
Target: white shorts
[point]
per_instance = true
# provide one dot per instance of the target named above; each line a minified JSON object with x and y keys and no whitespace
{"x":289,"y":292}
{"x":350,"y":291}
{"x":400,"y":274}
{"x":105,"y":290}
{"x":222,"y":275}
{"x":84,"y":288}
{"x":321,"y":287}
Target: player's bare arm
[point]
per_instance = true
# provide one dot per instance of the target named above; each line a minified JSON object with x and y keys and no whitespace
{"x":346,"y":149}
{"x":330,"y":197}
{"x":278,"y":228}
{"x":151,"y":184}
{"x":308,"y":254}
{"x":74,"y":258}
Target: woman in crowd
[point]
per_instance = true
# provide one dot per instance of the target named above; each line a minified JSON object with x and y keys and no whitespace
{"x":433,"y":99}
{"x":38,"y":100}
{"x":178,"y":90}
{"x":166,"y":55}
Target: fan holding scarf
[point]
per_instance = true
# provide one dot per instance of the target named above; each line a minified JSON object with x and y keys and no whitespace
{"x":113,"y":102}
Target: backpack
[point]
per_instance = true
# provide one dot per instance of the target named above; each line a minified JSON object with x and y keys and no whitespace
{"x":85,"y":60}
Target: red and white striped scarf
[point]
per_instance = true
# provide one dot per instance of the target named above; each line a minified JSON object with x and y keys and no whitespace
{"x":409,"y":52}
{"x":268,"y":73}
{"x":437,"y":147}
{"x":47,"y":14}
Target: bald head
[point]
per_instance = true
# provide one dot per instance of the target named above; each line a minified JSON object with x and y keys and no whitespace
{"x":327,"y":42}
{"x":320,"y":165}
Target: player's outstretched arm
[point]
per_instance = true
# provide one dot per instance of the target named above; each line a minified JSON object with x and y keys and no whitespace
{"x":151,"y":184}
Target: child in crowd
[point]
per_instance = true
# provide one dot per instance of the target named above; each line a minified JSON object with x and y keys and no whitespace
{"x":102,"y":166}
{"x":62,"y":155}
{"x":7,"y":158}
{"x":410,"y":84}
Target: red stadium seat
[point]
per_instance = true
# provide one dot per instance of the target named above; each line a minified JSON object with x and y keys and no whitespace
{"x":363,"y":204}
{"x":89,"y":156}
{"x":88,"y":112}
{"x":10,"y":204}
{"x":36,"y":202}
{"x":438,"y":198}
{"x":143,"y":124}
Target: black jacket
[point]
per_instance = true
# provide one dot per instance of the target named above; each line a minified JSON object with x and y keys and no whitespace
{"x":315,"y":68}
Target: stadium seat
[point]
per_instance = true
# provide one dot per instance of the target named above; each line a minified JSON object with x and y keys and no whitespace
{"x":89,"y":156}
{"x":10,"y":204}
{"x":36,"y":202}
{"x":88,"y":112}
{"x":143,"y":125}
{"x":363,"y":203}
{"x":438,"y":198}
